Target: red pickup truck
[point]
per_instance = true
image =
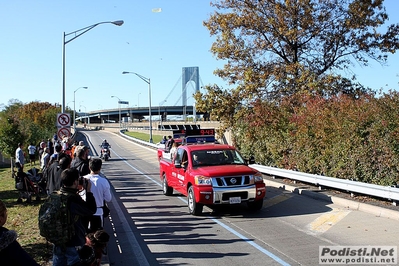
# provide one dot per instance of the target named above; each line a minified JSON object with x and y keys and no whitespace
{"x":210,"y":174}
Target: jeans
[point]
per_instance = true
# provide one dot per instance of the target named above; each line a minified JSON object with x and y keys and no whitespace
{"x":19,"y":167}
{"x":95,"y":223}
{"x":65,"y":257}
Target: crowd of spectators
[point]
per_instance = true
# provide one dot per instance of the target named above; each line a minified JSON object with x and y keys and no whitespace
{"x":67,"y":166}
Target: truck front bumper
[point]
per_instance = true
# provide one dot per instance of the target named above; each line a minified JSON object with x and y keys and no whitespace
{"x":228,"y":195}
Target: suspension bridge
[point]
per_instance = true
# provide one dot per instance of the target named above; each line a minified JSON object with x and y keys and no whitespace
{"x":190,"y":79}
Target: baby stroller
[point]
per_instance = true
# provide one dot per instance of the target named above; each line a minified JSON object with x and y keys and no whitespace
{"x":29,"y":184}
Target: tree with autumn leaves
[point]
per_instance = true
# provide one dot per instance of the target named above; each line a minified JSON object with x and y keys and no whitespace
{"x":294,"y":100}
{"x":26,"y":123}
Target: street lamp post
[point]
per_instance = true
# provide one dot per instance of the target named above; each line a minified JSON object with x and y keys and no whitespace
{"x":74,"y":111}
{"x":76,"y":34}
{"x":67,"y":106}
{"x":148,"y":81}
{"x":85,"y":116}
{"x":119,"y":107}
{"x":101,"y":108}
{"x":159,"y":112}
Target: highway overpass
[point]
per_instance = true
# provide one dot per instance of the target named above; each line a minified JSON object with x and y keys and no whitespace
{"x":135,"y":113}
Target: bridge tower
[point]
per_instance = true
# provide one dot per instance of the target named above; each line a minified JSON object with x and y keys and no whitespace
{"x":189,"y":74}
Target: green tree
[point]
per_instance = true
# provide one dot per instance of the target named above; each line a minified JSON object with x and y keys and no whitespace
{"x":10,"y":136}
{"x":276,"y":48}
{"x":26,"y":123}
{"x":295,"y":102}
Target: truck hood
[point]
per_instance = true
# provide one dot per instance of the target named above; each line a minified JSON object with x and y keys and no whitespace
{"x":224,"y":170}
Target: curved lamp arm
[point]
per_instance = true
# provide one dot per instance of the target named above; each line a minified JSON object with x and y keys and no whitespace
{"x":86,"y":29}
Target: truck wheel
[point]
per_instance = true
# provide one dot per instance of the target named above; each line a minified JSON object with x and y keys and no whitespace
{"x":193,"y":207}
{"x":255,"y":205}
{"x":166,"y":189}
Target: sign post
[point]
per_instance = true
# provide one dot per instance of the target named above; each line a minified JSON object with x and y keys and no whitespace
{"x":63,"y":125}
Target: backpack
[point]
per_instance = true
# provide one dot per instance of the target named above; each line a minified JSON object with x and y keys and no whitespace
{"x":55,"y":221}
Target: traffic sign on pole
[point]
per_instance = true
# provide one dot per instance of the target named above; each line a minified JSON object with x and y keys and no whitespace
{"x":64,"y":132}
{"x":63,"y":119}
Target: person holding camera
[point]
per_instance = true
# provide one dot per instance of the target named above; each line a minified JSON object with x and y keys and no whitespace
{"x":81,"y":163}
{"x":78,"y":209}
{"x":81,"y":160}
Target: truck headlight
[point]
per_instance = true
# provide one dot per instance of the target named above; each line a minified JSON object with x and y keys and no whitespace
{"x":258,"y":177}
{"x":202,"y":180}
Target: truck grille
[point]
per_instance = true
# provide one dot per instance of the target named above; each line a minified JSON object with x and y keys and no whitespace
{"x":232,"y":181}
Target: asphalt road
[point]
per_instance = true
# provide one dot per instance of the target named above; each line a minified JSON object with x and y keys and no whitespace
{"x":149,"y":228}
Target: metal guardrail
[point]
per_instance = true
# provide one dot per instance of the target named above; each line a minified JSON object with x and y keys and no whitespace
{"x":385,"y":192}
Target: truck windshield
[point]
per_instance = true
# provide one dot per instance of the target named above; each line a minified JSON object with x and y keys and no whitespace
{"x":216,"y":157}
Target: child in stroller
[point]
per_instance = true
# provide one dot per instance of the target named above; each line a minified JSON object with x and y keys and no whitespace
{"x":29,"y":184}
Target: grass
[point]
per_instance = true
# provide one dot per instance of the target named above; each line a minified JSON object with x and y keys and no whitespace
{"x":144,"y":136}
{"x":23,"y":218}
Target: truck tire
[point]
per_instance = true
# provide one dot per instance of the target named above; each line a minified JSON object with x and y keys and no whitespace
{"x":166,"y":189}
{"x":193,"y":207}
{"x":255,"y":205}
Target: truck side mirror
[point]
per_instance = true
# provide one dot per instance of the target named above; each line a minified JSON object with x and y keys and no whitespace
{"x":251,"y":160}
{"x":177,"y":163}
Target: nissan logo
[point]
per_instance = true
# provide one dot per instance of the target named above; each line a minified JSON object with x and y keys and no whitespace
{"x":233,"y":181}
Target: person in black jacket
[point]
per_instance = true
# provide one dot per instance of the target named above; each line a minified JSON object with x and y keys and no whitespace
{"x":11,"y":252}
{"x":52,"y":175}
{"x":78,"y":209}
{"x":81,"y":161}
{"x":169,"y":144}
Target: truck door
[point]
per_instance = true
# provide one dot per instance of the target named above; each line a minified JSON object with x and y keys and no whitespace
{"x":174,"y":171}
{"x":181,"y":172}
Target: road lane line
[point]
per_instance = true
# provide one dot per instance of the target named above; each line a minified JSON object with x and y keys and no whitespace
{"x":129,"y":235}
{"x":277,"y":199}
{"x":251,"y":242}
{"x":231,"y":230}
{"x":324,"y":222}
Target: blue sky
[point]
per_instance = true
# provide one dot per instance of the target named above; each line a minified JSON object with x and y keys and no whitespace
{"x":155,"y":45}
